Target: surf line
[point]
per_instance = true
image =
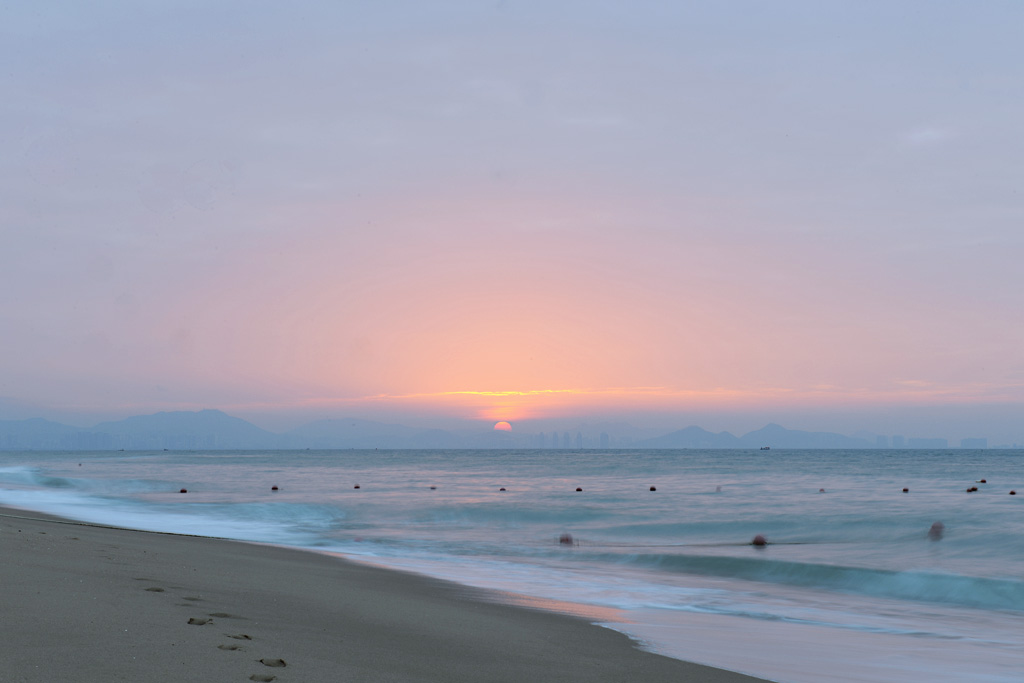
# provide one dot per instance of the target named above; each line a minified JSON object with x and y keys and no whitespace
{"x":582,"y":542}
{"x":107,"y":526}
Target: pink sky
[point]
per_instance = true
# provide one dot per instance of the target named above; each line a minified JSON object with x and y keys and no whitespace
{"x":513,"y":212}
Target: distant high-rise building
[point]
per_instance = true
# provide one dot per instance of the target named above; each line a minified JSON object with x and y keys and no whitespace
{"x":604,"y":439}
{"x":579,"y":440}
{"x":897,"y":441}
{"x":566,"y":441}
{"x":541,"y":440}
{"x":974,"y":443}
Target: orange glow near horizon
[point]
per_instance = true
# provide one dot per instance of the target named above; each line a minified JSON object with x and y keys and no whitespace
{"x":526,"y":404}
{"x":381,"y":327}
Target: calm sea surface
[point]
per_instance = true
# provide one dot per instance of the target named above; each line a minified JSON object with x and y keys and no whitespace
{"x":850,"y":588}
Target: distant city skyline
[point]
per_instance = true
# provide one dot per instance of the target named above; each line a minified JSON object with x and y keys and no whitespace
{"x":727,"y":214}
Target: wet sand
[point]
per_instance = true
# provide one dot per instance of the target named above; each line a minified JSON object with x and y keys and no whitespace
{"x":87,"y":603}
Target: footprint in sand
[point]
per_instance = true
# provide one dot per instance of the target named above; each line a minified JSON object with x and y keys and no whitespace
{"x":224,"y":615}
{"x":231,"y":647}
{"x":273,"y":662}
{"x":240,"y":636}
{"x":193,"y":599}
{"x":262,"y":678}
{"x":199,"y":622}
{"x":154,"y":589}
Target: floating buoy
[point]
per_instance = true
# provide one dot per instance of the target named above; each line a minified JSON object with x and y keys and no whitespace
{"x":906,"y":490}
{"x":718,"y":489}
{"x":273,"y":488}
{"x":936,"y":531}
{"x":972,"y":489}
{"x":356,"y":486}
{"x":653,"y":488}
{"x":565,"y":539}
{"x":759,"y":541}
{"x":821,"y":490}
{"x":502,"y":488}
{"x":982,"y":481}
{"x":578,"y":489}
{"x":183,"y":491}
{"x":1013,"y":493}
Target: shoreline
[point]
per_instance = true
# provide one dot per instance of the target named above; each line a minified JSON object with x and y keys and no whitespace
{"x":93,"y":602}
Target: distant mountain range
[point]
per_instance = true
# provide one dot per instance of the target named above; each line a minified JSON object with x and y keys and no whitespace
{"x":215,"y":430}
{"x":771,"y":435}
{"x":205,"y":429}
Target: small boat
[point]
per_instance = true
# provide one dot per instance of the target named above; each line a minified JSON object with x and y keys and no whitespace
{"x":766,"y":448}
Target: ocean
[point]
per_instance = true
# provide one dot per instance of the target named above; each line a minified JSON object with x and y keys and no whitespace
{"x":853,"y":584}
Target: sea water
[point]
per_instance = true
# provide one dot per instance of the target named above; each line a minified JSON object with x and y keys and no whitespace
{"x":851,"y":586}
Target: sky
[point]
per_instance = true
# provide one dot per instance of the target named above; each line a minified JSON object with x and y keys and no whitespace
{"x":715,"y":213}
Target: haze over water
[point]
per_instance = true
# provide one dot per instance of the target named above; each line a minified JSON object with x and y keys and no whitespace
{"x":850,"y":587}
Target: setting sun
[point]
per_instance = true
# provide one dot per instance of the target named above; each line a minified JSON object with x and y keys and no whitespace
{"x":503,"y":427}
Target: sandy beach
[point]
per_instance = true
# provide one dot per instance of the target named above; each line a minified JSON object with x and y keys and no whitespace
{"x":89,"y":603}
